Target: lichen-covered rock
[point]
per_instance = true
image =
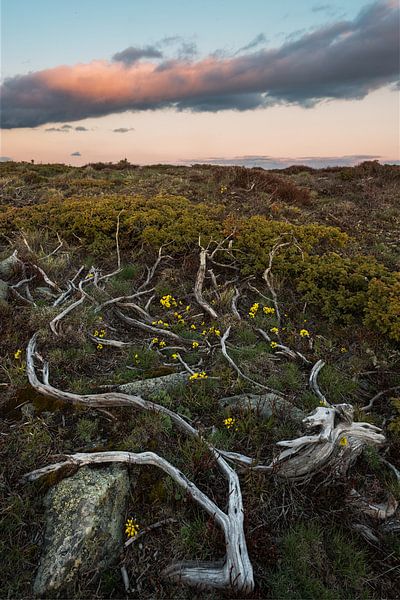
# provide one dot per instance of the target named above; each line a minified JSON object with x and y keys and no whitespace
{"x":147,"y":387}
{"x":3,"y":291}
{"x":84,"y":527}
{"x":8,"y":266}
{"x":265,"y":405}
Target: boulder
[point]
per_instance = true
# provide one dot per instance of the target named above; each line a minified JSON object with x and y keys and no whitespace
{"x":265,"y":405}
{"x":84,"y":527}
{"x":148,"y":387}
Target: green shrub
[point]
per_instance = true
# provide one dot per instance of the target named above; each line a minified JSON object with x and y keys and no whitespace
{"x":383,"y":305}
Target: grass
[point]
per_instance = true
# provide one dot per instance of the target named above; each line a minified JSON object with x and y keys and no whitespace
{"x":317,"y":565}
{"x":297,"y":548}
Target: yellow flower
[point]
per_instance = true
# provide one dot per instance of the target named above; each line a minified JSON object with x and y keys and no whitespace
{"x":154,"y":340}
{"x":343,"y":350}
{"x":174,"y":356}
{"x":166,"y":324}
{"x":168,"y":301}
{"x":304,"y":333}
{"x":253,"y":310}
{"x":181,"y":321}
{"x":273,"y":344}
{"x":217,"y":332}
{"x":89,"y":275}
{"x":102,"y":333}
{"x":195,"y":344}
{"x":154,"y":322}
{"x":204,"y":332}
{"x":96,"y":333}
{"x":187,"y":308}
{"x":268,"y":310}
{"x":193,"y":326}
{"x":230,"y":422}
{"x":18,"y":354}
{"x":201,"y":375}
{"x":162,"y":344}
{"x":274,"y":330}
{"x":131,"y":528}
{"x":344,"y":441}
{"x":99,"y":346}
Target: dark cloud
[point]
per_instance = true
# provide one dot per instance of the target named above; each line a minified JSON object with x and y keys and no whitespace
{"x":273,"y":162}
{"x":123,"y":129}
{"x":257,"y":41}
{"x":6,"y":159}
{"x":132,"y":54}
{"x":81,"y":128}
{"x":59,"y":129}
{"x":342,"y":60}
{"x":67,"y":127}
{"x":321,"y":8}
{"x":184,"y":48}
{"x":76,"y":154}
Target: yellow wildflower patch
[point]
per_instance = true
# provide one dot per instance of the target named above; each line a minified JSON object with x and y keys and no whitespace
{"x":131,"y":528}
{"x":304,"y":333}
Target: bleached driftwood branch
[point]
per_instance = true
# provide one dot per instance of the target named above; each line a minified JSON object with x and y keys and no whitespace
{"x":198,"y":287}
{"x":236,"y":571}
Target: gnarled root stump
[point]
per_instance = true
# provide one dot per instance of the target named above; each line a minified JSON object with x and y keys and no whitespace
{"x":337,"y":444}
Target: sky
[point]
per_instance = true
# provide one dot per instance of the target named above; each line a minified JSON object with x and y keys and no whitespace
{"x":259,"y":83}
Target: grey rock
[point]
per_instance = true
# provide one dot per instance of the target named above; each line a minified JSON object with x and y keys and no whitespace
{"x":84,"y":527}
{"x":147,"y":387}
{"x":45,"y":292}
{"x":265,"y":405}
{"x":28,"y":410}
{"x":3,"y":291}
{"x":8,"y":266}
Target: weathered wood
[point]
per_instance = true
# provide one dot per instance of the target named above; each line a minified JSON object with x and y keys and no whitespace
{"x":198,"y":287}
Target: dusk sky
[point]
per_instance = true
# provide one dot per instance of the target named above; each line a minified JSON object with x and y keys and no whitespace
{"x":259,"y":82}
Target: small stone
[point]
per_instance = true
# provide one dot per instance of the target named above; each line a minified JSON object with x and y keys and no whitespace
{"x":147,"y":387}
{"x":8,"y":266}
{"x":84,"y":527}
{"x":265,"y":405}
{"x":3,"y":290}
{"x":28,"y":410}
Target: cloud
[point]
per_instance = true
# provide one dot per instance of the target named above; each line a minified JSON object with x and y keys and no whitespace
{"x":342,"y":60}
{"x":273,"y":162}
{"x":76,"y":154}
{"x":59,"y":129}
{"x":123,"y":129}
{"x":184,"y":48}
{"x":133,"y":54}
{"x":6,"y":159}
{"x":66,"y":128}
{"x":259,"y":39}
{"x":321,"y":8}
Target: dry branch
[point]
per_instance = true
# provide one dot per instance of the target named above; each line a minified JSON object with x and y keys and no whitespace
{"x":198,"y":287}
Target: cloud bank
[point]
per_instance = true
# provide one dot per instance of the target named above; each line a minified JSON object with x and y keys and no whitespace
{"x":343,"y":60}
{"x":274,"y":162}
